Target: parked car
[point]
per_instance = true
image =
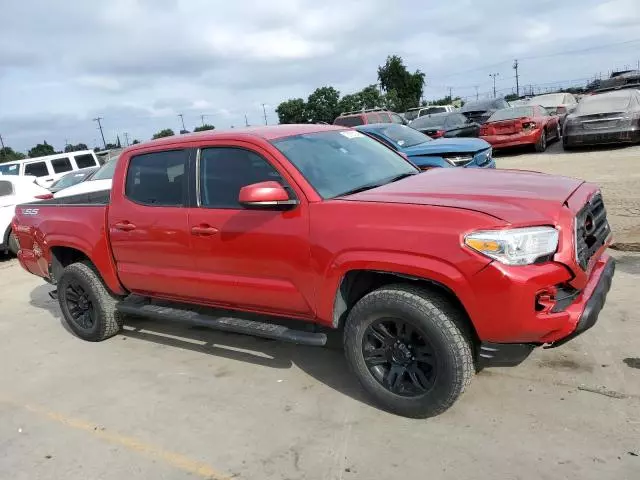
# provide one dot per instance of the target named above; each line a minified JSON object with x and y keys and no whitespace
{"x":51,"y":167}
{"x":13,"y":191}
{"x":446,"y":125}
{"x":417,"y":112}
{"x":427,"y":153}
{"x":363,"y":117}
{"x":427,"y":275}
{"x":518,"y":126}
{"x":480,"y":111}
{"x":618,"y":80}
{"x":71,"y":179}
{"x":99,"y":181}
{"x":610,"y":117}
{"x":560,"y":104}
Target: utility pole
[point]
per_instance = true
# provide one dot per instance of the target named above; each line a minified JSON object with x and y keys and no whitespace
{"x":264,"y":111}
{"x":97,"y":119}
{"x":494,"y":75}
{"x":1,"y":141}
{"x":202,"y":119}
{"x":450,"y":95}
{"x":246,"y":120}
{"x":126,"y":139}
{"x":477,"y":94}
{"x":515,"y":67}
{"x":182,"y":118}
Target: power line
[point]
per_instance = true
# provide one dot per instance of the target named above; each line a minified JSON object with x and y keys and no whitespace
{"x":97,"y":119}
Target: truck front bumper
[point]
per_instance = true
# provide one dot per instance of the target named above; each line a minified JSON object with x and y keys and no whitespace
{"x":585,"y":309}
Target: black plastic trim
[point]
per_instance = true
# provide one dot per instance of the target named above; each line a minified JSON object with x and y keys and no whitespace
{"x":503,"y":354}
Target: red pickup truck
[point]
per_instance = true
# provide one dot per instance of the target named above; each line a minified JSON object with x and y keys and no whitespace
{"x":428,"y":275}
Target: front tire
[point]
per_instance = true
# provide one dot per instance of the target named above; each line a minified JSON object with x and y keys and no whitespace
{"x":541,"y":144}
{"x":87,"y":306}
{"x":406,"y":347}
{"x":13,"y":245}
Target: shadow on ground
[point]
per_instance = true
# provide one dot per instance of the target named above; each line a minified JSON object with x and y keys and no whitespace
{"x":555,"y":147}
{"x":325,"y":364}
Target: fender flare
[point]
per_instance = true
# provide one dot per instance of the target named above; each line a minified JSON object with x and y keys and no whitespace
{"x":396,"y":263}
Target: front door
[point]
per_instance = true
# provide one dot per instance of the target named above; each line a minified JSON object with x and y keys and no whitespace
{"x":249,"y":259}
{"x":148,"y":225}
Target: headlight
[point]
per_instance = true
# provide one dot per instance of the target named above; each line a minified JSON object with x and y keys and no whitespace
{"x":458,"y":160}
{"x":516,"y":246}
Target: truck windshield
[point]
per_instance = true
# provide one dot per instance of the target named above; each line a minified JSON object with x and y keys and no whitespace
{"x":106,"y":171}
{"x":339,"y":162}
{"x":10,"y":169}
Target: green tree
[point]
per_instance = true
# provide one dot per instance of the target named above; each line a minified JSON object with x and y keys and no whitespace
{"x":112,"y":146}
{"x":167,"y":132}
{"x":75,"y":148}
{"x":135,"y":142}
{"x":370,"y":97}
{"x":204,"y":127}
{"x":7,"y":154}
{"x":511,"y":97}
{"x":322,"y":105}
{"x":40,"y":150}
{"x":292,"y":111}
{"x":408,"y":87}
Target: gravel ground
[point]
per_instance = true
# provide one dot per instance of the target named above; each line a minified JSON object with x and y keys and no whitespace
{"x":615,"y":169}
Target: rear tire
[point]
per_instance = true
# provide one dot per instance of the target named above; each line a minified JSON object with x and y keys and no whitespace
{"x":87,"y":306}
{"x":12,"y":242}
{"x":541,"y":144}
{"x":421,"y":366}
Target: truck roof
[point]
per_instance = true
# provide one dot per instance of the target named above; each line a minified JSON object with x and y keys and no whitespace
{"x":266,"y":132}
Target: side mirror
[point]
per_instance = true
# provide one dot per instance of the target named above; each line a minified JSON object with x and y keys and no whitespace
{"x":265,"y":195}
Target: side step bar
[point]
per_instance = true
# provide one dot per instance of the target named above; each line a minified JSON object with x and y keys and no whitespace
{"x":227,"y":324}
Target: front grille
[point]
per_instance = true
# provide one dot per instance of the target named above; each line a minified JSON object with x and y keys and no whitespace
{"x":591,"y":230}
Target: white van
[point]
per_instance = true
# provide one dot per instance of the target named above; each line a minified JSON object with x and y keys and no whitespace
{"x":50,"y":168}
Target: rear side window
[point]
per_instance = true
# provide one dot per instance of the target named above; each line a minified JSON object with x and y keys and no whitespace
{"x":158,"y":179}
{"x":384,"y":117}
{"x":224,"y":171}
{"x":37,"y":169}
{"x":6,"y":188}
{"x":395,"y":118}
{"x":351,"y":121}
{"x":85,"y":161}
{"x":61,"y":165}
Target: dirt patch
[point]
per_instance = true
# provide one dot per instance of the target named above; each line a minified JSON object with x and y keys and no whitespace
{"x":565,"y":364}
{"x":633,"y":362}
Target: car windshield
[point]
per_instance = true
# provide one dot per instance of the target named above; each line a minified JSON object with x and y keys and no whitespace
{"x":10,"y":169}
{"x":511,"y":113}
{"x":606,"y":102}
{"x":432,"y":121}
{"x":70,"y":179}
{"x":336,"y":163}
{"x":106,"y":171}
{"x":481,"y":106}
{"x":550,"y":100}
{"x":401,"y":135}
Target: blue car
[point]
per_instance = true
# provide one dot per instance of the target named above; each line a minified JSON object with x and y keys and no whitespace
{"x":426,"y":152}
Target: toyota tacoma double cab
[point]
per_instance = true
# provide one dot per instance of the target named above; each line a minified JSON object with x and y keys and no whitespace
{"x":427,"y":276}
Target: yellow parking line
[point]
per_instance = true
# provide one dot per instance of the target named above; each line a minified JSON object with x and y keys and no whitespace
{"x":171,"y":458}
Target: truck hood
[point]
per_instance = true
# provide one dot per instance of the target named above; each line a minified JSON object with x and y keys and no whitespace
{"x":447,"y":145}
{"x":515,"y":196}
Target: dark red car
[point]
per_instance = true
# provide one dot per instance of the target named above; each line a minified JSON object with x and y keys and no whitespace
{"x":519,"y":126}
{"x":425,"y":275}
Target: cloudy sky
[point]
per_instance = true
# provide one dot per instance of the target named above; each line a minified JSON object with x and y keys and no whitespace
{"x":138,"y":63}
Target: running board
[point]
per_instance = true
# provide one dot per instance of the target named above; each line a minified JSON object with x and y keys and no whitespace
{"x":227,"y":324}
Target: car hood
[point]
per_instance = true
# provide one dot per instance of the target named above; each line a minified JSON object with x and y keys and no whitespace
{"x":515,"y":196}
{"x":84,"y":187}
{"x":447,"y":145}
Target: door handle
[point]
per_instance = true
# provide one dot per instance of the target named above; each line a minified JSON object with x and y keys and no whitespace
{"x":125,"y":226}
{"x":203,"y":229}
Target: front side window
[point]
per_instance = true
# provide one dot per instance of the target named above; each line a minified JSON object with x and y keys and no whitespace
{"x":37,"y":169}
{"x":157,"y":179}
{"x":85,"y":161}
{"x":337,"y":163}
{"x":225,"y":170}
{"x":6,"y":188}
{"x":61,"y":165}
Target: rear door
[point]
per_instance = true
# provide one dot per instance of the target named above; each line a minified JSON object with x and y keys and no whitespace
{"x":41,"y":169}
{"x":247,"y":258}
{"x":148,"y":224}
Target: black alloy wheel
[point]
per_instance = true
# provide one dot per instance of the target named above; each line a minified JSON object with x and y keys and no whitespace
{"x":399,"y":357}
{"x":80,"y":306}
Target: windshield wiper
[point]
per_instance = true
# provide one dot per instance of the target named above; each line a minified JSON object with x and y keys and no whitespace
{"x":369,"y":186}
